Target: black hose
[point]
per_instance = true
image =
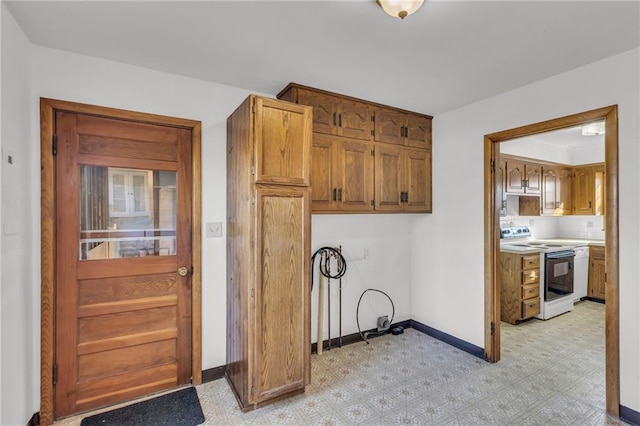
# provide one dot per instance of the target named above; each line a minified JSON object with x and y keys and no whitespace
{"x":325,"y":269}
{"x":393,"y":308}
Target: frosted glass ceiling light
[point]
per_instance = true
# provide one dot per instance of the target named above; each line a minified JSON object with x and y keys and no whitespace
{"x":400,"y":8}
{"x":593,"y":129}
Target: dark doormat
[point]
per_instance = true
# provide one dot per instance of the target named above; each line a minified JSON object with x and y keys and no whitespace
{"x":180,"y":408}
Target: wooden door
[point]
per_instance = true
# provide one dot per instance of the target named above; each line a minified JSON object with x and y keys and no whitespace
{"x":418,"y":131}
{"x":324,"y":184}
{"x":417,"y":180}
{"x":389,"y":126}
{"x":534,"y":178}
{"x":325,"y":116}
{"x":583,"y":186}
{"x":388,"y":178}
{"x":282,"y":130}
{"x":355,"y":161}
{"x":565,"y":189}
{"x":354,"y":120}
{"x":282,"y":314}
{"x":123,"y":260}
{"x":550,"y":191}
{"x":515,"y":177}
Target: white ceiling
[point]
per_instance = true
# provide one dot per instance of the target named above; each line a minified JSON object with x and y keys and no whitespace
{"x":448,"y":54}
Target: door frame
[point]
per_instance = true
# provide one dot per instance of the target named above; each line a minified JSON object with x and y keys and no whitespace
{"x":492,"y":242}
{"x":48,"y":107}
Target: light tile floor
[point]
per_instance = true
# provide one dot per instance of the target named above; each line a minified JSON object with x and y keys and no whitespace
{"x":551,"y":373}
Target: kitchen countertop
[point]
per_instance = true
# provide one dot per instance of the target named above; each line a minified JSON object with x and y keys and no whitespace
{"x":510,"y":247}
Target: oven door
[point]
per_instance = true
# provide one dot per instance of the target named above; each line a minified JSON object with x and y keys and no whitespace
{"x":558,"y":274}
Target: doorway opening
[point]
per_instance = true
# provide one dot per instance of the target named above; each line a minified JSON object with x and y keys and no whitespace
{"x":493,"y":204}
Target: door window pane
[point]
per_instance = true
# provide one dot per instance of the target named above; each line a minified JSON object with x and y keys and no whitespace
{"x":126,"y":213}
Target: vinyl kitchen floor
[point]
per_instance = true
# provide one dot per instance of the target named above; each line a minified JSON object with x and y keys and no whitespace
{"x":551,"y":373}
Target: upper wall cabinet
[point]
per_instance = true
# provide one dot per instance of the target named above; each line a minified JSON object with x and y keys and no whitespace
{"x":523,"y":178}
{"x":400,"y":128}
{"x":588,"y":190}
{"x":366,"y":157}
{"x":337,"y":116}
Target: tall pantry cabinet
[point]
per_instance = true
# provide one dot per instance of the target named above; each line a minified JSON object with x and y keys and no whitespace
{"x":268,"y":250}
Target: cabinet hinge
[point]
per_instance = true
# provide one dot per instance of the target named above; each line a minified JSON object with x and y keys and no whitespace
{"x":253,"y":200}
{"x":373,"y":152}
{"x":54,"y":144}
{"x":373,"y":118}
{"x":373,"y":132}
{"x":493,"y":328}
{"x":55,"y":374}
{"x":253,"y":171}
{"x":373,"y":203}
{"x":492,"y":165}
{"x":605,"y":277}
{"x":253,"y":292}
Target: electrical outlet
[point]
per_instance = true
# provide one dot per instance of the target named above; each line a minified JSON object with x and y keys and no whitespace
{"x":214,"y":229}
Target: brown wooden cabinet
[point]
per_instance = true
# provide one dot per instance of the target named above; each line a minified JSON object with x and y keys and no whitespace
{"x":401,"y":128}
{"x":342,"y":174}
{"x":345,"y":176}
{"x":556,"y":191}
{"x":523,"y":178}
{"x":597,"y":282}
{"x":588,"y":190}
{"x":404,"y":177}
{"x":268,"y":250}
{"x":520,"y":286}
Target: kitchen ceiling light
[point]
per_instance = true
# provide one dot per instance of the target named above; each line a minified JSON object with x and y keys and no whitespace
{"x":593,"y":129}
{"x":400,"y":8}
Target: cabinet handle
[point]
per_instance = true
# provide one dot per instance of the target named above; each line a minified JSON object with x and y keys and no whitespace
{"x":334,"y":118}
{"x":335,"y":198}
{"x":589,"y":204}
{"x":340,"y":120}
{"x":340,"y":194}
{"x":406,"y":197}
{"x":406,"y":132}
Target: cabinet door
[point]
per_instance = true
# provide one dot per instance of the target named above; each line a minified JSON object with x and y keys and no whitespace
{"x":388,"y":178}
{"x":533,"y":178}
{"x":324,"y":185}
{"x":325,"y":116}
{"x":565,"y":189}
{"x":417,"y":180}
{"x":389,"y":126}
{"x":354,"y":120}
{"x":550,"y":191}
{"x":355,"y":162}
{"x":282,"y":133}
{"x":515,"y":177}
{"x":583,"y":186}
{"x":282,"y":303}
{"x":418,"y":131}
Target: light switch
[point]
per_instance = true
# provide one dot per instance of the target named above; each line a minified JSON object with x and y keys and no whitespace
{"x":214,"y":229}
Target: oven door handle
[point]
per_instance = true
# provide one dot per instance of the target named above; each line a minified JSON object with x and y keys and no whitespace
{"x":561,"y":254}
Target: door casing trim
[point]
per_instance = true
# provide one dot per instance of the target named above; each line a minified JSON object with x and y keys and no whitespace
{"x":492,"y":243}
{"x":48,"y":107}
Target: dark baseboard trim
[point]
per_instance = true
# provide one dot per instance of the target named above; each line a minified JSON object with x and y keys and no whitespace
{"x":449,"y":339}
{"x":34,"y":420}
{"x":212,"y":374}
{"x":355,"y":337}
{"x":629,"y":415}
{"x":593,"y":299}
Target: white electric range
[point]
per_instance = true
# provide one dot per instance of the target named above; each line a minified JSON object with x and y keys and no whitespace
{"x":556,"y":269}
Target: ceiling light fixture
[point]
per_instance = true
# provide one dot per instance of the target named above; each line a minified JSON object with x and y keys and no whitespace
{"x":593,"y":129}
{"x":399,"y":8}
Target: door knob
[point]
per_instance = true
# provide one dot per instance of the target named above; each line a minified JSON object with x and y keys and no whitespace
{"x":183,"y":271}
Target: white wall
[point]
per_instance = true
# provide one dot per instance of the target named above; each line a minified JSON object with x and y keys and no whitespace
{"x":65,"y":76}
{"x":20,"y":335}
{"x":448,"y":275}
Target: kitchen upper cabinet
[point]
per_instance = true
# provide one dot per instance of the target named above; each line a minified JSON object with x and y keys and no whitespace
{"x":523,"y":178}
{"x":400,"y":128}
{"x":588,"y":190}
{"x":342,"y":174}
{"x":402,"y":179}
{"x":346,"y":175}
{"x":597,"y":285}
{"x":556,"y":193}
{"x":334,"y":115}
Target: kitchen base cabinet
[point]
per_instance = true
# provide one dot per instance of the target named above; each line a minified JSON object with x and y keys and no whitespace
{"x":519,"y":286}
{"x":597,"y":285}
{"x":268,"y":251}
